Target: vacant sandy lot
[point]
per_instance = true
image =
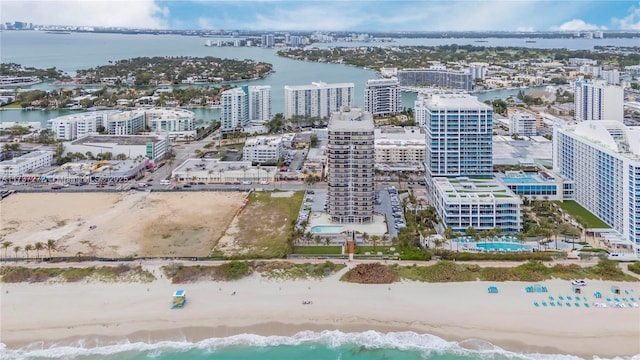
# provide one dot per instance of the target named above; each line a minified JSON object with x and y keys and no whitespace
{"x":134,"y":223}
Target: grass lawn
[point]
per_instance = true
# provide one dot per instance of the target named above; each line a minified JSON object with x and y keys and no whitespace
{"x":265,"y":223}
{"x":318,"y":250}
{"x":14,"y":105}
{"x":576,"y":210}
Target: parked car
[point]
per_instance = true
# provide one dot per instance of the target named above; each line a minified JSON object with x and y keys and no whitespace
{"x":578,"y":282}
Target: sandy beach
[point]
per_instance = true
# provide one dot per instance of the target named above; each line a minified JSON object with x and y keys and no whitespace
{"x":101,"y":313}
{"x":135,"y":223}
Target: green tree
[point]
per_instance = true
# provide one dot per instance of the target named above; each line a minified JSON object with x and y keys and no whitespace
{"x":6,"y":245}
{"x":51,"y":246}
{"x":28,"y":248}
{"x":37,"y":247}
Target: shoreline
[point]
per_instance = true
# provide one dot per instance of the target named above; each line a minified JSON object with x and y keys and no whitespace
{"x":113,"y":313}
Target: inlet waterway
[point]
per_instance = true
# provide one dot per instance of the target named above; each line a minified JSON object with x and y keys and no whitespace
{"x":70,"y":52}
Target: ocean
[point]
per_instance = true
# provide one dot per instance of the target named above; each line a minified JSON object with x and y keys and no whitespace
{"x":325,"y":345}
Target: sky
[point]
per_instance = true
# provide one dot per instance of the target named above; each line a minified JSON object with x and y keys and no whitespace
{"x":331,"y":15}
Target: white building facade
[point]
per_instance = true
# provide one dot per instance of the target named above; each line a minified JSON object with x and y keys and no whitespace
{"x":482,"y":204}
{"x":25,"y":164}
{"x":170,"y":120}
{"x":350,"y":166}
{"x":598,"y":101}
{"x":523,"y":124}
{"x":602,"y":158}
{"x":234,"y":113}
{"x":318,"y":100}
{"x":263,"y":149}
{"x":382,"y":97}
{"x":259,"y":104}
{"x":400,"y":148}
{"x":71,"y":127}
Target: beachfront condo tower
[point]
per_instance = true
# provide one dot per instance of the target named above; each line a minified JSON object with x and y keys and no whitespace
{"x":350,"y":166}
{"x":382,"y":97}
{"x":318,"y":100}
{"x":598,"y":101}
{"x":459,"y":166}
{"x":459,"y":132}
{"x":603,"y":159}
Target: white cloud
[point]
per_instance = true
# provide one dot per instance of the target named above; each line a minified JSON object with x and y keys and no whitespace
{"x":118,"y":13}
{"x":577,"y":25}
{"x":631,"y":21}
{"x":525,"y":29}
{"x":205,"y":23}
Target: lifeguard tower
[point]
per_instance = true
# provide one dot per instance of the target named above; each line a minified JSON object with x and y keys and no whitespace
{"x":179,"y":299}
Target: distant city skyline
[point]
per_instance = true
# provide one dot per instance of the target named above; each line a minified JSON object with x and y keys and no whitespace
{"x":354,"y":15}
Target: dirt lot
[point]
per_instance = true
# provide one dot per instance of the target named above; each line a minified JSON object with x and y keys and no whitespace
{"x":119,"y":224}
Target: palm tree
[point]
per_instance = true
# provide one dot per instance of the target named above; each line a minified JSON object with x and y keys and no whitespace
{"x":374,"y":241}
{"x":38,"y":246}
{"x":5,"y":246}
{"x":28,"y":248}
{"x":51,"y":245}
{"x":16,"y":249}
{"x":365,"y":237}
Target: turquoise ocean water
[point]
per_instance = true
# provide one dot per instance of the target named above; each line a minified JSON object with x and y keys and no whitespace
{"x":306,"y":345}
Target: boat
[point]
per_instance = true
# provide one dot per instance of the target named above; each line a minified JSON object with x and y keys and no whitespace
{"x":60,"y":32}
{"x":530,"y":41}
{"x":11,"y":81}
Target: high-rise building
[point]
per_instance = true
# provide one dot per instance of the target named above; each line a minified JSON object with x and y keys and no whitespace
{"x":234,"y":114}
{"x":245,"y":105}
{"x":268,"y":40}
{"x":602,"y":158}
{"x":382,"y":97}
{"x":350,"y":166}
{"x":459,"y":166}
{"x":458,"y":134}
{"x":522,"y":123}
{"x":598,"y":101}
{"x":612,"y":77}
{"x":318,"y":100}
{"x":259,"y":98}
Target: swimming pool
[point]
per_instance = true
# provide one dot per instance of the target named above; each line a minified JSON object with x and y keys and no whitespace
{"x":326,"y":229}
{"x":496,"y":246}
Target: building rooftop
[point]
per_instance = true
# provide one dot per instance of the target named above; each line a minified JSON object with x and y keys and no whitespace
{"x":318,"y":85}
{"x":455,"y":101}
{"x":351,"y":119}
{"x":117,"y":139}
{"x":520,"y":177}
{"x":610,"y":134}
{"x":469,"y":189}
{"x":26,"y":157}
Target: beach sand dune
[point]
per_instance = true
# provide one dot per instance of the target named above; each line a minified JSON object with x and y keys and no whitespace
{"x":64,"y":313}
{"x":120,"y":224}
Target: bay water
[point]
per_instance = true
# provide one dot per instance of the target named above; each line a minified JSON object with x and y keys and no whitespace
{"x":74,"y":51}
